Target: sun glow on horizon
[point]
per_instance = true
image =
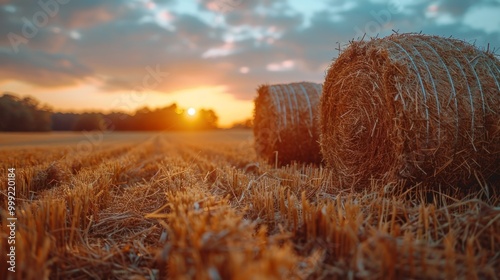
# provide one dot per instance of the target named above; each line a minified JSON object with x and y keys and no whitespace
{"x":89,"y":97}
{"x":191,"y":111}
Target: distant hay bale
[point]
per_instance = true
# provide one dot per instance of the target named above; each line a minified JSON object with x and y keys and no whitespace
{"x":286,"y":120}
{"x":413,"y":107}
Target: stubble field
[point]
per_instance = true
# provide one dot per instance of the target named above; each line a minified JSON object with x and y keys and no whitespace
{"x":203,"y":206}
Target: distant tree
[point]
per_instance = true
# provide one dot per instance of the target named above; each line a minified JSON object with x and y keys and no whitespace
{"x":207,"y":119}
{"x":118,"y":121}
{"x":170,"y":118}
{"x":64,"y":121}
{"x":246,"y":124}
{"x":42,"y":120}
{"x":141,"y":119}
{"x":89,"y":121}
{"x":25,"y":114}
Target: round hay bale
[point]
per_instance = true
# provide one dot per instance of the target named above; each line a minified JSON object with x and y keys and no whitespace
{"x":412,"y":107}
{"x":286,"y":120}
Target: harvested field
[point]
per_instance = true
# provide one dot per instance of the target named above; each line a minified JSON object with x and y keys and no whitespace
{"x":286,"y":123}
{"x":204,"y":206}
{"x":423,"y":109}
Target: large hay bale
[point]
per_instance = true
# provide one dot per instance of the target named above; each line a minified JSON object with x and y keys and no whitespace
{"x":412,"y":107}
{"x":286,"y":120}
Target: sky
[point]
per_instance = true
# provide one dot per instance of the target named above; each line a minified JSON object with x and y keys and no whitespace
{"x":122,"y":55}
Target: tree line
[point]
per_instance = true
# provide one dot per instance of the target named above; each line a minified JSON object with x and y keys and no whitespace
{"x":27,"y":114}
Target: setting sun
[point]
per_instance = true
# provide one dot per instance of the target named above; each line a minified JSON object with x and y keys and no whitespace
{"x":191,"y":111}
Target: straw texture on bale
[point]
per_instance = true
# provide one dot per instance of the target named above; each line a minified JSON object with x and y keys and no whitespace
{"x":286,"y":122}
{"x":412,"y":107}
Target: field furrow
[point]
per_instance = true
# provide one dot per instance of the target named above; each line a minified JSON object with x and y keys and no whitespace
{"x":177,"y":207}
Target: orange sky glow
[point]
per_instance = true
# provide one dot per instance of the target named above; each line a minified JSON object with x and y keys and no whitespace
{"x":90,"y":98}
{"x":205,"y":54}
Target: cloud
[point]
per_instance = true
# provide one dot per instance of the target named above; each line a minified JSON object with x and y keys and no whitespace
{"x":457,"y":8}
{"x":278,"y":21}
{"x":122,"y":50}
{"x":247,"y":43}
{"x":285,"y":65}
{"x":230,"y":6}
{"x":43,"y":69}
